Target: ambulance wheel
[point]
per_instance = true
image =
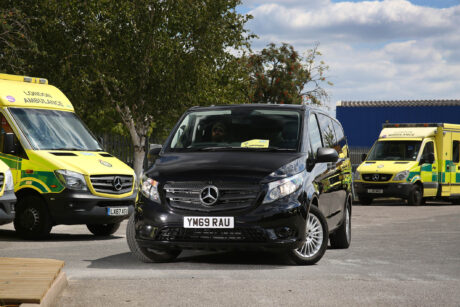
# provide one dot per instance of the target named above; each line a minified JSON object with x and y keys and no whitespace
{"x":146,"y":254}
{"x":415,"y":196}
{"x":103,"y":229}
{"x":364,"y":200}
{"x":32,"y":219}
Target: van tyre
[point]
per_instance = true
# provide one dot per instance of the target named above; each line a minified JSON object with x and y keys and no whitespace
{"x":315,"y":244}
{"x":341,"y":238}
{"x":415,"y":196}
{"x":146,"y":254}
{"x":32,"y":219}
{"x":103,"y":229}
{"x":365,"y":200}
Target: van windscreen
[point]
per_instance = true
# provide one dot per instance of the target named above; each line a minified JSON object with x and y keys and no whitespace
{"x":54,"y":130}
{"x":238,"y":129}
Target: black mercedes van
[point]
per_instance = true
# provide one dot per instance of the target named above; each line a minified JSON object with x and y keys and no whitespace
{"x":272,"y":177}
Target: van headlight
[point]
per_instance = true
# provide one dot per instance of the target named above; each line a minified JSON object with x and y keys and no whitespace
{"x":401,"y":176}
{"x":9,"y":184}
{"x":71,"y":180}
{"x":149,"y":189}
{"x":284,"y":187}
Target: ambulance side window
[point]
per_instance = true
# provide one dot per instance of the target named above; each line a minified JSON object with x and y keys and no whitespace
{"x":6,"y":129}
{"x":429,"y":148}
{"x":456,"y":151}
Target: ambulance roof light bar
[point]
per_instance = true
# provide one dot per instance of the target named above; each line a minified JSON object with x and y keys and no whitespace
{"x":387,"y":125}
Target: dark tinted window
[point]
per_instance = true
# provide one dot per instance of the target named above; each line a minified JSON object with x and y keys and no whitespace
{"x":429,"y":149}
{"x":327,"y":130}
{"x":240,"y":129}
{"x":315,"y":135}
{"x":456,"y":152}
{"x":340,"y":136}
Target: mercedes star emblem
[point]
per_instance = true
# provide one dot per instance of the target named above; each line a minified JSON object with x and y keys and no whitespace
{"x":375,"y":177}
{"x":209,"y":195}
{"x":117,"y":185}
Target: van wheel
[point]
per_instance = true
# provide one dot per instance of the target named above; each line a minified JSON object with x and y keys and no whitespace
{"x":315,"y":245}
{"x":365,"y":200}
{"x":146,"y":254}
{"x":32,"y":219}
{"x":415,"y":196}
{"x":103,"y":229}
{"x":341,"y":238}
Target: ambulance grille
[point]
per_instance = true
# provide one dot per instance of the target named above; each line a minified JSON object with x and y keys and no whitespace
{"x":377,"y":177}
{"x":112,"y":184}
{"x":2,"y":179}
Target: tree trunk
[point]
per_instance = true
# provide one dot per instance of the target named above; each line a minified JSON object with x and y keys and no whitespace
{"x":138,"y":134}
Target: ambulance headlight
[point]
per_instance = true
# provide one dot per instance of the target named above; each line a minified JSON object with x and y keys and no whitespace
{"x":71,"y":180}
{"x":356,"y":175}
{"x":9,"y":184}
{"x":401,"y":176}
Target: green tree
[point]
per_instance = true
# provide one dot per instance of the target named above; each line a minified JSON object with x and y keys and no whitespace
{"x":281,"y":75}
{"x":142,"y":61}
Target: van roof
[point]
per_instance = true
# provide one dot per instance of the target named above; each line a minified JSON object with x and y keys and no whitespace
{"x":250,"y":106}
{"x":27,"y":92}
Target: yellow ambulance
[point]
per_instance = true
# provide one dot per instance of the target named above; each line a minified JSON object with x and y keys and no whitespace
{"x":7,"y":197}
{"x":412,"y":161}
{"x":61,"y":173}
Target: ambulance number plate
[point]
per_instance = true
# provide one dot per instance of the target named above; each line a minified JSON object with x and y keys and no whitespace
{"x":118,"y":211}
{"x":375,"y":191}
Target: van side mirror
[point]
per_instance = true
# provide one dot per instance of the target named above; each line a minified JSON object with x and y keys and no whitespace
{"x":326,"y":155}
{"x":154,"y":150}
{"x":363,"y":157}
{"x":9,"y":144}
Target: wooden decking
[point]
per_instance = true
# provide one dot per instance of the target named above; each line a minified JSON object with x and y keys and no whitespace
{"x":28,"y":280}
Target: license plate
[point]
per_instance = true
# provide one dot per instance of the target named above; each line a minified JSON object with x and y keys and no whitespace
{"x":208,"y":222}
{"x":117,"y":211}
{"x":375,"y":191}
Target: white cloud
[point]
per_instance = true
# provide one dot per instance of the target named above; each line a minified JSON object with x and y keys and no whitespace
{"x":387,"y":49}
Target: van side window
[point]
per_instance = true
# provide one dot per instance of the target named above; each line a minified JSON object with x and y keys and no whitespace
{"x":456,"y":151}
{"x":340,"y":136}
{"x":315,"y":135}
{"x":429,"y":148}
{"x":327,"y":131}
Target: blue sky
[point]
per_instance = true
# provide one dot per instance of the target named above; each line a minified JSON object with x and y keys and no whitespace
{"x":376,"y":50}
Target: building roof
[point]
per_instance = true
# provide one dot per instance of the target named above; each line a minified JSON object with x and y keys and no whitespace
{"x":400,"y":103}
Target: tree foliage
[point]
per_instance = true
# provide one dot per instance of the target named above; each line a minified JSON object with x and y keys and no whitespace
{"x":142,"y":61}
{"x":281,"y":75}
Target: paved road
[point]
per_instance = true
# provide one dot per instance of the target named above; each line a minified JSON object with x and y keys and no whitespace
{"x":399,"y":255}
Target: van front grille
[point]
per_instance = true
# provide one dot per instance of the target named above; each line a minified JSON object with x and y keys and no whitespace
{"x":206,"y":235}
{"x":112,"y":184}
{"x":186,"y":196}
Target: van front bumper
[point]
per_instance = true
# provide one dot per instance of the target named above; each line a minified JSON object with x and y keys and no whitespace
{"x":377,"y":190}
{"x":274,"y":226}
{"x":76,"y":207}
{"x":7,"y":202}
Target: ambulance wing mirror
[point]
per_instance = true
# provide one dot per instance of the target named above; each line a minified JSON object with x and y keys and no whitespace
{"x":9,"y":144}
{"x":363,"y":157}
